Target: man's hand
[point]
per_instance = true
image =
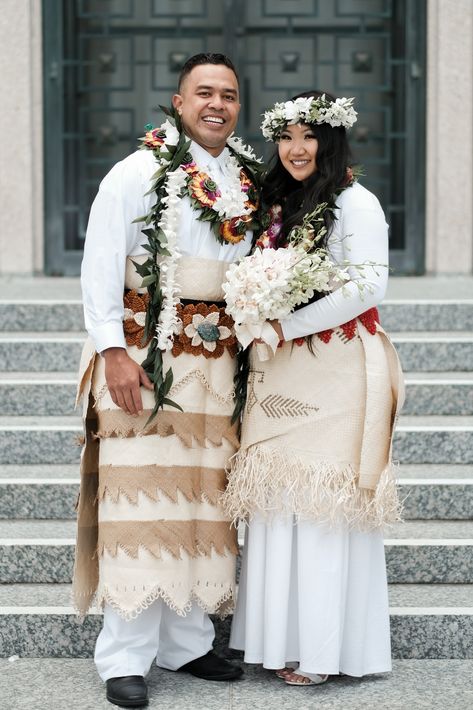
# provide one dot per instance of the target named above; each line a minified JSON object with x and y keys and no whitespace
{"x":124,"y":377}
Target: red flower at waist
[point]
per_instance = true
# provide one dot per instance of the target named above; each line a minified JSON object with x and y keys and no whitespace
{"x":369,"y":319}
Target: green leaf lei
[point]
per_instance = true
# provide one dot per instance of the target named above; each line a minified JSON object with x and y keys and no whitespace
{"x":170,"y":158}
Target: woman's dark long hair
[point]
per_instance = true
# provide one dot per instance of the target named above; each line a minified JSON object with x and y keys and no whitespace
{"x":298,"y":198}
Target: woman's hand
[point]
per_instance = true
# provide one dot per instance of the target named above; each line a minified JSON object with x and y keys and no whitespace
{"x":277,"y":327}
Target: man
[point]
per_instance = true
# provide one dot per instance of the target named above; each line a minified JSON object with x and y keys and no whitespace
{"x":166,"y":552}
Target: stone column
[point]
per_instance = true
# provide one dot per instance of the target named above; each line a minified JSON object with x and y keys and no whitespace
{"x":449,"y":233}
{"x":21,"y":138}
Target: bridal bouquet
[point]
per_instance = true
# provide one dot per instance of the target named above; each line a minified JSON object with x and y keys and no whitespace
{"x":270,"y":283}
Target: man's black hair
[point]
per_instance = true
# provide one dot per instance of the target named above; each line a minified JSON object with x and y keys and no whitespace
{"x":205,"y":58}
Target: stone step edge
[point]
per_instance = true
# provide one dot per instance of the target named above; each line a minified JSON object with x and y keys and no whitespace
{"x":76,"y":481}
{"x":388,"y":542}
{"x":394,"y":611}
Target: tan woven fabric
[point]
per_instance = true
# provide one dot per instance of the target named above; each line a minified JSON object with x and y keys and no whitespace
{"x":188,"y":426}
{"x":154,"y":480}
{"x":317,"y":433}
{"x":150,"y":522}
{"x":196,"y":537}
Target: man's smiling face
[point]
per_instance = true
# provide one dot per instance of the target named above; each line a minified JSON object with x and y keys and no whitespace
{"x":208,"y":103}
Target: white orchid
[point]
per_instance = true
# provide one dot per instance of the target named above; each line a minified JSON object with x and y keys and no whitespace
{"x":172,"y":134}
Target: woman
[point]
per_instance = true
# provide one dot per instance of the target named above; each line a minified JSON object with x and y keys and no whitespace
{"x":313,"y":476}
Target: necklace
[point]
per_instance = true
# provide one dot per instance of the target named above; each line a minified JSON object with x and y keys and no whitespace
{"x":310,"y":233}
{"x":230,"y":214}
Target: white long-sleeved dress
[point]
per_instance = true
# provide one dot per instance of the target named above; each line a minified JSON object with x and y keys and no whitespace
{"x":309,"y":592}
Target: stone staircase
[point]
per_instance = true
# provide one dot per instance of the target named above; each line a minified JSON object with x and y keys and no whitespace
{"x":429,"y":556}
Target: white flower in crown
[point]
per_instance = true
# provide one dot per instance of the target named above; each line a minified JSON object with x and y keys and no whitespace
{"x":340,"y":113}
{"x":308,"y":110}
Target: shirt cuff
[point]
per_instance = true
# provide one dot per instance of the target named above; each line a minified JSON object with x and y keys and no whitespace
{"x":109,"y":335}
{"x":288,"y":330}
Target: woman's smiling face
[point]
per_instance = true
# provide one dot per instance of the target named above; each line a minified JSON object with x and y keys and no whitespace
{"x":297,"y":148}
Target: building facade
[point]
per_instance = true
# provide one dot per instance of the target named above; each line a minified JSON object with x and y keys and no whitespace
{"x":82,"y":78}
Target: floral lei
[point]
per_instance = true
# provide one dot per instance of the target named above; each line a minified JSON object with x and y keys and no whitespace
{"x":309,"y":234}
{"x":230,"y":216}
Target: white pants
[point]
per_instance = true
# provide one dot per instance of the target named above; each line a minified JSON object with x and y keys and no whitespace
{"x":130,"y":647}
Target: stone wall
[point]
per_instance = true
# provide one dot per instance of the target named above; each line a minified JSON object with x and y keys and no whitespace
{"x":21,"y":138}
{"x":449,"y":232}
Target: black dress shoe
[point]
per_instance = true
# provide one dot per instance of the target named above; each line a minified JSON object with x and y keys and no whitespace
{"x":129,"y":691}
{"x":211,"y":667}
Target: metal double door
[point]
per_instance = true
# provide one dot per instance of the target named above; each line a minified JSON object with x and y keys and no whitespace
{"x":108,"y":65}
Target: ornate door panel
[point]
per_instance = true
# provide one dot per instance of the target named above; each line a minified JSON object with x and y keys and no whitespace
{"x":110,"y":63}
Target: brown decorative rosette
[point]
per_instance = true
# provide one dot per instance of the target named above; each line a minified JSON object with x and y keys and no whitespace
{"x":134,"y":319}
{"x":206,"y":330}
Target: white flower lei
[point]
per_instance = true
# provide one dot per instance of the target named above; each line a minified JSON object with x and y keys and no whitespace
{"x":230,"y":204}
{"x":168,"y":321}
{"x":308,"y":110}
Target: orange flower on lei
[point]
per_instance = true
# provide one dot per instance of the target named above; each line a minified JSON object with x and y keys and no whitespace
{"x":204,"y":189}
{"x":234,"y":230}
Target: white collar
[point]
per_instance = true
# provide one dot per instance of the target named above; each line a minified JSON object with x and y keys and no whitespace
{"x":204,"y":159}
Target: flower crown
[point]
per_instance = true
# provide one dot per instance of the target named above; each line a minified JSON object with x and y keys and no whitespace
{"x":308,"y":110}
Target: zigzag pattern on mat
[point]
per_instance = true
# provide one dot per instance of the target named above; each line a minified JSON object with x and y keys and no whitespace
{"x":188,"y":426}
{"x":194,"y":482}
{"x":198,"y":374}
{"x":196,"y":537}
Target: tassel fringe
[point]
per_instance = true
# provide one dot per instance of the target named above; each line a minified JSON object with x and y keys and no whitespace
{"x":269,"y":482}
{"x":223,"y":607}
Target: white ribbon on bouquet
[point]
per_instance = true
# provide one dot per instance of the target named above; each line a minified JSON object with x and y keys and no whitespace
{"x":248,"y":332}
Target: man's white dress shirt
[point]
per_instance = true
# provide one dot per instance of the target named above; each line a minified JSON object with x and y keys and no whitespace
{"x":112,"y":236}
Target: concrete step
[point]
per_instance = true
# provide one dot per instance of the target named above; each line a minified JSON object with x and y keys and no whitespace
{"x":426,"y":622}
{"x":439,"y":394}
{"x":427,"y":314}
{"x":399,"y":314}
{"x":432,"y":492}
{"x":54,"y":351}
{"x":45,"y":393}
{"x":50,"y":492}
{"x":40,"y":352}
{"x":41,"y":315}
{"x":53,"y":440}
{"x":53,"y":393}
{"x":41,"y":551}
{"x":40,"y":440}
{"x":440,"y":351}
{"x":412,"y":684}
{"x":434,"y":439}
